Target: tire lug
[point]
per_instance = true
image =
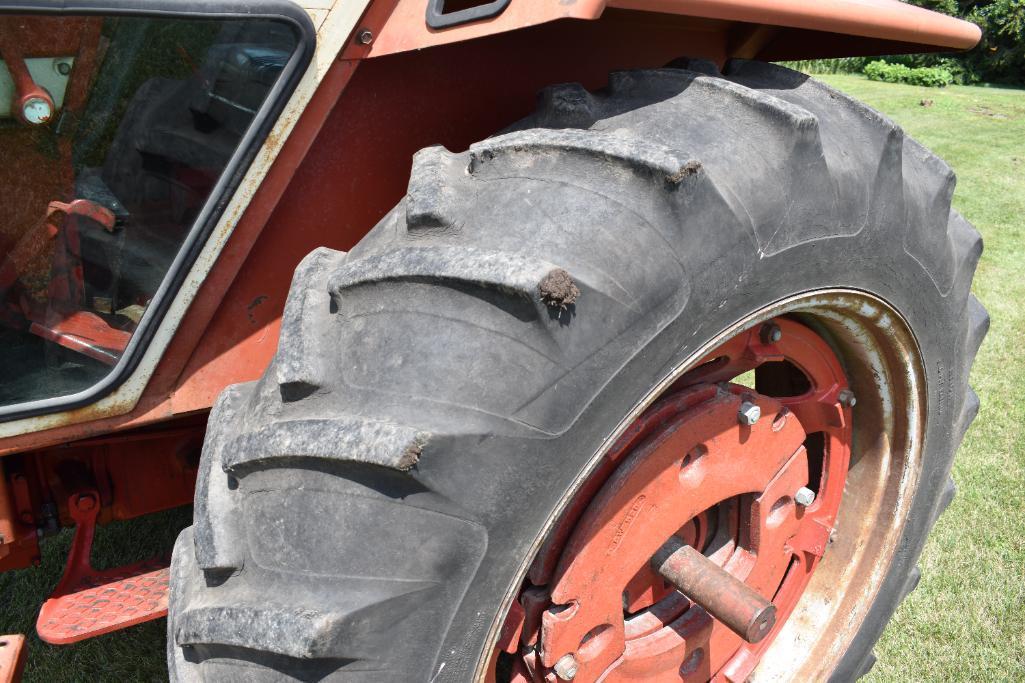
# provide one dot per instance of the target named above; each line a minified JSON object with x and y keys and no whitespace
{"x":804,"y":496}
{"x":749,"y":413}
{"x":566,"y":668}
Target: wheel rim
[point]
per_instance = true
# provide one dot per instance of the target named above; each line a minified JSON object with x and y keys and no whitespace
{"x":592,"y":607}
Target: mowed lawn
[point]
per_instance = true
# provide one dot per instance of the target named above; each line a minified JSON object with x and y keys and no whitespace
{"x":966,"y":621}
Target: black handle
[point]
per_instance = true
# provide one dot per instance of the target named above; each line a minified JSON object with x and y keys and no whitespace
{"x":436,"y":17}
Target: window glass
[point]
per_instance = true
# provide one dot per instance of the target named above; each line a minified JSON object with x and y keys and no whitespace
{"x":114,"y":133}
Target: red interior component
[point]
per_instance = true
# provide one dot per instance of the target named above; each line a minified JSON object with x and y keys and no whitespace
{"x":86,"y":209}
{"x":40,"y":175}
{"x":87,"y":602}
{"x":25,"y":88}
{"x":87,"y":333}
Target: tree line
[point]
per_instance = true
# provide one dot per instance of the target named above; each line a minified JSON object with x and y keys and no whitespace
{"x":999,"y":58}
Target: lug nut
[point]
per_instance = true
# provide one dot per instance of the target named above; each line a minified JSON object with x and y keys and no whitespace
{"x":804,"y":496}
{"x":749,"y":413}
{"x":566,"y":668}
{"x":365,"y":37}
{"x":770,"y":333}
{"x":847,"y":398}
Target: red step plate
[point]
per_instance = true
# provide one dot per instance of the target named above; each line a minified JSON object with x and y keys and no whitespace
{"x":89,"y":603}
{"x":12,"y":658}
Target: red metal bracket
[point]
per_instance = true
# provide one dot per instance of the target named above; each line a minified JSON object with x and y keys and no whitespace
{"x":28,"y":95}
{"x":84,"y":208}
{"x":87,"y":602}
{"x":12,"y":658}
{"x":86,"y":333}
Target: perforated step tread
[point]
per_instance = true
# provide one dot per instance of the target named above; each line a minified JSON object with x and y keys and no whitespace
{"x":106,"y":601}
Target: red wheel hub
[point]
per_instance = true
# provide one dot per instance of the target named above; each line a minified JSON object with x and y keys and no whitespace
{"x":692,"y":468}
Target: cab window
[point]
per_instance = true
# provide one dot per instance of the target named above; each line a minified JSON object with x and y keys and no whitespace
{"x":115,"y":133}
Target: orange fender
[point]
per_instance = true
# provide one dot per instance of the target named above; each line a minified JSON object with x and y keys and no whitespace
{"x":883,"y":25}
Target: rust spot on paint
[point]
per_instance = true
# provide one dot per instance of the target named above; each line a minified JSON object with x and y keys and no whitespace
{"x":252,"y":306}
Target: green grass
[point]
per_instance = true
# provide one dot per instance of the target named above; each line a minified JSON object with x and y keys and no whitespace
{"x":966,"y":621}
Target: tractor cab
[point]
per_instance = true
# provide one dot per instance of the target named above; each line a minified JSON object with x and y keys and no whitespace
{"x":115,"y":135}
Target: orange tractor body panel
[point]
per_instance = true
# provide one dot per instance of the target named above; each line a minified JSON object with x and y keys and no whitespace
{"x":793,"y":28}
{"x":396,"y":86}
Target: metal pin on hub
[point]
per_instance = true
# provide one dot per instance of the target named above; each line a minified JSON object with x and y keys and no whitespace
{"x":746,"y":612}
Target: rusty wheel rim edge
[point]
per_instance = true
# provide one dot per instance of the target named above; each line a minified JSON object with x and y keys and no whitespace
{"x":865,"y":330}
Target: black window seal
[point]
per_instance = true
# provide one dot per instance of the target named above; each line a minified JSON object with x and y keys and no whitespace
{"x":228,"y":183}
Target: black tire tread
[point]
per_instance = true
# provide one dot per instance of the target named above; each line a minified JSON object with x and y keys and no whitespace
{"x":484,"y":283}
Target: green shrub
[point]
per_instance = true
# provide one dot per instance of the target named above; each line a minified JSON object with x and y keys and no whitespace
{"x":1000,"y":57}
{"x":929,"y":76}
{"x":836,"y":65}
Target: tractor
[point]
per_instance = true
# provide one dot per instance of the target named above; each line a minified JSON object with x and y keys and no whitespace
{"x":491,"y":340}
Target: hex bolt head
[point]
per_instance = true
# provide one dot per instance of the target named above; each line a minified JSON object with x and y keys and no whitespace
{"x":365,"y":37}
{"x":566,"y":668}
{"x":749,"y":413}
{"x":770,"y":333}
{"x":804,"y":496}
{"x":847,"y":398}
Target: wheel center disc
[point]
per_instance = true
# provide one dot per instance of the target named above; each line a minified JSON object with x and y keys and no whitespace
{"x":751,"y":481}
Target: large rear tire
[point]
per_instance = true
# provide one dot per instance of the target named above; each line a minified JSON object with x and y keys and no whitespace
{"x":442,"y":393}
